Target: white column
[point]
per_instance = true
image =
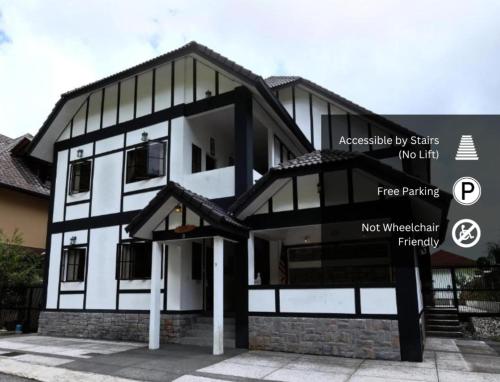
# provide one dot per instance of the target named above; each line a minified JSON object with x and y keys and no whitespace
{"x":174,"y":273}
{"x":251,"y":259}
{"x":218,"y":345}
{"x":154,"y":306}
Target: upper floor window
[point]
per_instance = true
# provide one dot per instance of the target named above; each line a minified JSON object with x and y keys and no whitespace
{"x":146,"y":161}
{"x":281,"y":152}
{"x":135,"y":261}
{"x":73,"y":264}
{"x":195,"y":159}
{"x":210,"y":162}
{"x":80,"y":177}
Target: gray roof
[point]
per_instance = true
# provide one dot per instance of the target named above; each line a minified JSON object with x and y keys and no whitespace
{"x":14,"y":171}
{"x":192,"y":47}
{"x":315,"y":158}
{"x":276,"y":81}
{"x":4,"y":141}
{"x":323,"y":159}
{"x":200,"y":205}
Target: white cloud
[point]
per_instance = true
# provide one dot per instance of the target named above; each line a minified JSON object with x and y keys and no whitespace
{"x":389,"y":56}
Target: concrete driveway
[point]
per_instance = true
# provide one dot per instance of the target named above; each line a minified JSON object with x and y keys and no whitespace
{"x":63,"y":359}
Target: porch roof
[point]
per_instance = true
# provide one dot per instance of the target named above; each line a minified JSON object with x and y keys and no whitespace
{"x":143,"y":224}
{"x":319,"y":160}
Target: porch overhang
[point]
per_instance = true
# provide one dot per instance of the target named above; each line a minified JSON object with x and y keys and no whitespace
{"x":214,"y":220}
{"x":425,"y":208}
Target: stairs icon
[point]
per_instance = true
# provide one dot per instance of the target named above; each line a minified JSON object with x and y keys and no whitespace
{"x":466,"y":149}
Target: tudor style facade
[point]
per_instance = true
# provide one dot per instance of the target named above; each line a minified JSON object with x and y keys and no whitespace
{"x":188,"y":186}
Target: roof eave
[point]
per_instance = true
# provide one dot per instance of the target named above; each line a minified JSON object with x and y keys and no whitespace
{"x":25,"y":191}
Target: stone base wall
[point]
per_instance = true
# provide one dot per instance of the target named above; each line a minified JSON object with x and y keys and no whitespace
{"x":486,"y":327}
{"x":356,"y":338}
{"x":113,"y":326}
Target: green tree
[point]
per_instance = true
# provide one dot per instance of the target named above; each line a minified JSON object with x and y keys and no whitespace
{"x":494,"y":253}
{"x":482,"y":262}
{"x":18,"y":265}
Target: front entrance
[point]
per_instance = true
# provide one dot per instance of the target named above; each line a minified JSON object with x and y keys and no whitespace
{"x":229,"y":279}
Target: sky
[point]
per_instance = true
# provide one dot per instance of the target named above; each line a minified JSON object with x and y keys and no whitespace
{"x":392,"y":57}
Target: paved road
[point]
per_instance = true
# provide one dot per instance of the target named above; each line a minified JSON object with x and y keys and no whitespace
{"x":11,"y":378}
{"x":70,"y":359}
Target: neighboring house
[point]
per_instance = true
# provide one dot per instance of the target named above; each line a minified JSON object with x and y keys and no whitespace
{"x":445,"y":259}
{"x":188,"y":185}
{"x":24,"y":193}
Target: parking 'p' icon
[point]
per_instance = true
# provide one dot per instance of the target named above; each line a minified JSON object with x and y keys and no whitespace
{"x":466,"y":191}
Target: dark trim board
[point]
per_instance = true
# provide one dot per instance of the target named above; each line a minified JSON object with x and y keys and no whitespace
{"x":325,"y":286}
{"x":403,"y":260}
{"x":92,"y":222}
{"x":326,"y":315}
{"x":342,"y":213}
{"x":137,"y":291}
{"x":143,"y":190}
{"x":180,"y":110}
{"x":198,"y":233}
{"x":83,"y":201}
{"x":243,"y":141}
{"x":48,"y":240}
{"x":72,"y":292}
{"x":136,"y":311}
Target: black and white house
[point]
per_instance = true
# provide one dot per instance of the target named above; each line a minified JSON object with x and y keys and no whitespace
{"x":196,"y":202}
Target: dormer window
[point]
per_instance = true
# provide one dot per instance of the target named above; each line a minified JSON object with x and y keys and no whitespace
{"x":146,"y":161}
{"x":80,"y":177}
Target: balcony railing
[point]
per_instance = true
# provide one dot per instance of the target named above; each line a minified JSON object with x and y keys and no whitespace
{"x":213,"y":184}
{"x":299,"y":300}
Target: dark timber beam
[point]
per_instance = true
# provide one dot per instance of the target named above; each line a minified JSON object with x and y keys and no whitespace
{"x":241,"y":291}
{"x":243,"y":136}
{"x":404,"y":262}
{"x":243,"y":179}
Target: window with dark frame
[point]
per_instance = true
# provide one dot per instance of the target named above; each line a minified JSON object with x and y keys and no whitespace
{"x":195,"y":159}
{"x":146,"y":161}
{"x":196,"y":253}
{"x":210,"y":163}
{"x":339,"y":263}
{"x":73,"y":264}
{"x":80,"y":177}
{"x":135,"y":261}
{"x":281,"y":152}
{"x":212,"y":146}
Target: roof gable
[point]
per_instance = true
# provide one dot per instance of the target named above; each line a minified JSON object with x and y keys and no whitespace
{"x":280,"y":82}
{"x":71,"y":101}
{"x":320,"y":161}
{"x":166,"y":201}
